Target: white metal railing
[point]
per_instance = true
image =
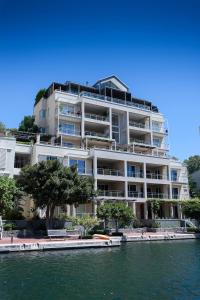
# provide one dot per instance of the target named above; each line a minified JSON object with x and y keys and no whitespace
{"x":133,"y":194}
{"x":96,"y":117}
{"x":69,"y":131}
{"x":156,"y":176}
{"x":115,"y":100}
{"x":97,"y":134}
{"x":70,"y":114}
{"x":110,"y":193}
{"x":157,"y":195}
{"x":138,"y":125}
{"x":135,"y":174}
{"x":86,"y":172}
{"x":139,"y":141}
{"x":111,"y":172}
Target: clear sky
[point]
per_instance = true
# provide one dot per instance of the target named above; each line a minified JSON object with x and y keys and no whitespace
{"x":153,"y":46}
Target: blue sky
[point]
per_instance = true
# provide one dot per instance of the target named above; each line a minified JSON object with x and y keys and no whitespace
{"x":153,"y":46}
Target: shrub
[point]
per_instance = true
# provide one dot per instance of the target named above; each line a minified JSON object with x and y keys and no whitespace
{"x":9,"y":226}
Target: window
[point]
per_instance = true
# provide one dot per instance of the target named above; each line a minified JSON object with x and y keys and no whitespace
{"x":80,"y":165}
{"x":67,"y":109}
{"x":156,"y":126}
{"x":131,"y":171}
{"x":47,"y":157}
{"x":42,"y":114}
{"x":68,"y":128}
{"x":157,"y":142}
{"x":42,"y":130}
{"x":115,"y":128}
{"x":174,"y":175}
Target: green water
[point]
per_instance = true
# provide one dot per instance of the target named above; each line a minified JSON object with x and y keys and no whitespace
{"x":149,"y":271}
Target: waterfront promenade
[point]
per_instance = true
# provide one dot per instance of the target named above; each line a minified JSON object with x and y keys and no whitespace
{"x":35,"y":244}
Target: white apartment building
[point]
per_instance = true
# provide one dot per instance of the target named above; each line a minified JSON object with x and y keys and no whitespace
{"x":111,"y":135}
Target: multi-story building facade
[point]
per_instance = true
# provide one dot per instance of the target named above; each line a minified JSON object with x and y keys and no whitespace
{"x":109,"y":134}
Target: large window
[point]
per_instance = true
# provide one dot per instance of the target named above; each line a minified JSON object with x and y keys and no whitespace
{"x":48,"y":157}
{"x":115,"y":127}
{"x":174,"y":175}
{"x":68,"y":128}
{"x":42,"y":114}
{"x":79,"y":163}
{"x":157,"y":142}
{"x":67,"y":109}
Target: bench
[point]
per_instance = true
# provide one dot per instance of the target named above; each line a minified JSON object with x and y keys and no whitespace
{"x":62,"y":233}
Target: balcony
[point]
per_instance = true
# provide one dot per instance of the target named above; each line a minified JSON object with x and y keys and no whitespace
{"x":96,"y":117}
{"x":110,"y":172}
{"x":109,"y":193}
{"x":135,"y":174}
{"x":156,"y":176}
{"x":140,"y":142}
{"x":70,"y":114}
{"x":132,"y":194}
{"x":155,"y":195}
{"x":96,"y":134}
{"x":115,"y":100}
{"x":138,"y":125}
{"x":69,"y":132}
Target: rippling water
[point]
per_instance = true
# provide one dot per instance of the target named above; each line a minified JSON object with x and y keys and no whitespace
{"x":140,"y":271}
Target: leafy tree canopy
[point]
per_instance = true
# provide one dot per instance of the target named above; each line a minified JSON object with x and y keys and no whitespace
{"x":2,"y":127}
{"x":27,"y":125}
{"x":9,"y":194}
{"x":39,"y":95}
{"x":118,"y":212}
{"x":193,"y":163}
{"x":191,"y":209}
{"x":51,"y":184}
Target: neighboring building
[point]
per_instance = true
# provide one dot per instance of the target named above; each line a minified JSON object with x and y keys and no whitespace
{"x":196,"y":181}
{"x":109,"y":134}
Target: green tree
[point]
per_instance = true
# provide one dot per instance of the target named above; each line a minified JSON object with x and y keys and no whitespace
{"x":155,"y":206}
{"x":88,"y":223}
{"x":27,"y":125}
{"x":191,"y":209}
{"x":51,"y":184}
{"x":193,"y":163}
{"x":2,"y":127}
{"x":39,"y":95}
{"x":118,"y":212}
{"x":8,"y":194}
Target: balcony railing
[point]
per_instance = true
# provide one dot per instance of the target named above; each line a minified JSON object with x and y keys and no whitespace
{"x":156,"y":176}
{"x":115,"y":100}
{"x":69,"y":131}
{"x":139,"y":141}
{"x":96,"y":117}
{"x":110,"y":172}
{"x":135,"y":174}
{"x":138,"y":125}
{"x":70,"y":114}
{"x":157,"y":195}
{"x":110,"y":193}
{"x":132,"y":194}
{"x":86,"y":172}
{"x":175,"y":196}
{"x":97,"y":134}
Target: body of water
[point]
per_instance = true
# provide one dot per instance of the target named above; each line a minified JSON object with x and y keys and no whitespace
{"x":140,"y":271}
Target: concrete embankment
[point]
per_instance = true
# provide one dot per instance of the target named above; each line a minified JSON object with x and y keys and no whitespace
{"x":56,"y":245}
{"x":24,"y":245}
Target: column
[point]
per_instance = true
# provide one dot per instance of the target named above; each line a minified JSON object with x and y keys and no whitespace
{"x":68,"y":209}
{"x":171,"y":211}
{"x":73,"y":210}
{"x":145,"y":211}
{"x":110,"y":121}
{"x":179,"y":208}
{"x":170,"y":185}
{"x":134,"y":208}
{"x":126,"y":189}
{"x":82,"y":119}
{"x":128,"y":135}
{"x":95,"y":209}
{"x":145,"y":183}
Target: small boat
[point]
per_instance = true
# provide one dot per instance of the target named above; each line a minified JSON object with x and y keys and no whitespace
{"x":101,"y":237}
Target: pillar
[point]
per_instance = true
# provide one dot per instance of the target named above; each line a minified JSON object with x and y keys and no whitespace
{"x":171,"y":211}
{"x":180,"y":214}
{"x":73,"y":210}
{"x":95,"y":209}
{"x":68,"y":209}
{"x":134,"y":208}
{"x":82,"y":119}
{"x":145,"y":211}
{"x":145,"y":183}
